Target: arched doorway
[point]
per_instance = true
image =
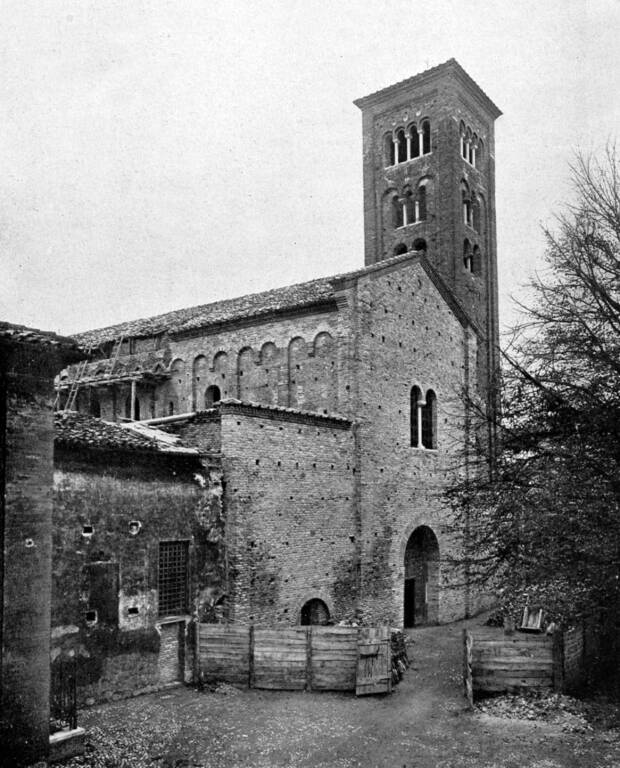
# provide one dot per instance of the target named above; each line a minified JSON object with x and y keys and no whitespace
{"x":314,"y":612}
{"x":421,"y":595}
{"x":212,"y":396}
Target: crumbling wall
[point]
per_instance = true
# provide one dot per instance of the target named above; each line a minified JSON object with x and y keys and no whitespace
{"x":100,"y":563}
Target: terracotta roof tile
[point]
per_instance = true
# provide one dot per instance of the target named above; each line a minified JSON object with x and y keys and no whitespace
{"x":77,"y":430}
{"x":252,"y":305}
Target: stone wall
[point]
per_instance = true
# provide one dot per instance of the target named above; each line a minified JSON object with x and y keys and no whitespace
{"x":290,"y":505}
{"x":101,"y":564}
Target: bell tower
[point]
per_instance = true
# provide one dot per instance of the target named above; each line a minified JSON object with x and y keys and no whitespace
{"x":429,"y":185}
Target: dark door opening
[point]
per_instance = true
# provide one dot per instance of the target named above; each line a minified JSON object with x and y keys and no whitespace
{"x":314,"y":612}
{"x":421,"y":588}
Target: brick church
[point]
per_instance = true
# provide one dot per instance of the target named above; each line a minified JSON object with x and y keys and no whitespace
{"x":320,"y":421}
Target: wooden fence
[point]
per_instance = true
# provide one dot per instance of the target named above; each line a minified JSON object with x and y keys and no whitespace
{"x":297,"y":658}
{"x":496,"y":662}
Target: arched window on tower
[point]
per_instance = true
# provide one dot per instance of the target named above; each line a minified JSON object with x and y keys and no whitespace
{"x":388,"y":149}
{"x":466,"y":207}
{"x":415,"y":417}
{"x":401,"y":146}
{"x":420,"y":245}
{"x":462,"y":133}
{"x":472,"y":150}
{"x":400,"y":249}
{"x":409,"y":210}
{"x":426,"y":137}
{"x":475,"y":213}
{"x":398,"y":212}
{"x":467,"y":255}
{"x":429,"y":421}
{"x":414,"y":141}
{"x":476,"y":261}
{"x":420,"y":204}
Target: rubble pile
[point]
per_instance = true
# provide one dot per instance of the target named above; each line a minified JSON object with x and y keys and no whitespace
{"x":571,"y":714}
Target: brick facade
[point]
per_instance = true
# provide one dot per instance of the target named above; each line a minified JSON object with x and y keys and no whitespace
{"x":28,"y":361}
{"x":302,"y":396}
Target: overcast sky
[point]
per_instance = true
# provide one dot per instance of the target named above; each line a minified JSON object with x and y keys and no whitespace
{"x":157,"y":155}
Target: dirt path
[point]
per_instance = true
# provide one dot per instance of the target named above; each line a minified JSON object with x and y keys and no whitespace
{"x":423,"y":724}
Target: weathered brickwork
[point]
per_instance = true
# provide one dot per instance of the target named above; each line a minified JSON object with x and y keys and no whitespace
{"x":290,"y":362}
{"x":453,"y":104}
{"x":403,"y":316}
{"x":27,"y":369}
{"x":293,"y":526}
{"x":334,"y":410}
{"x":101,"y":564}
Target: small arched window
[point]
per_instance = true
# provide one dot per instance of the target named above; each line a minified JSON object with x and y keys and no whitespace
{"x":466,"y":208}
{"x":314,"y":612}
{"x":398,"y":215}
{"x":409,"y":209}
{"x":415,"y":417}
{"x":400,"y":249}
{"x":419,"y":244}
{"x":421,"y":204}
{"x":426,"y":137}
{"x":212,"y":396}
{"x":462,"y":132}
{"x":414,"y":141}
{"x":475,"y":213}
{"x":388,"y":149}
{"x":467,"y":255}
{"x":476,"y":261}
{"x":401,"y":146}
{"x":429,"y":421}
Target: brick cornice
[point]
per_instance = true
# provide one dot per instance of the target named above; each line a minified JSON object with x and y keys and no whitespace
{"x":279,"y":413}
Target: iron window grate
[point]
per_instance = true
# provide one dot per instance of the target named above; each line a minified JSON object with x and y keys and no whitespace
{"x":172,"y":578}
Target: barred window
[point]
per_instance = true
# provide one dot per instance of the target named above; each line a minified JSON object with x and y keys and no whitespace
{"x":173,"y":577}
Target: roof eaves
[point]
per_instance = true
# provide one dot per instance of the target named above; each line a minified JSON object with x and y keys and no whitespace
{"x":429,"y":75}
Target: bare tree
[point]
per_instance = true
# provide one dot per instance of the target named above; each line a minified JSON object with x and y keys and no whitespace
{"x":545,"y":524}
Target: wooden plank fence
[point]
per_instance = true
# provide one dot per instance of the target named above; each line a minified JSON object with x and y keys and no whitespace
{"x":296,"y":658}
{"x":497,"y":662}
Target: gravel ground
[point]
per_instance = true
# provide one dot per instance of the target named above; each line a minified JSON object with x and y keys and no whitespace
{"x":423,"y":724}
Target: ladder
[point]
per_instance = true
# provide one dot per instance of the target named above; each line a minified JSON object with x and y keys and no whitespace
{"x":75,"y":383}
{"x":115,"y":356}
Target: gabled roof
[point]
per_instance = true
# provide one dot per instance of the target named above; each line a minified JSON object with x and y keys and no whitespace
{"x":77,"y":430}
{"x":450,"y":67}
{"x":315,"y":293}
{"x":321,"y":293}
{"x":21,"y":334}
